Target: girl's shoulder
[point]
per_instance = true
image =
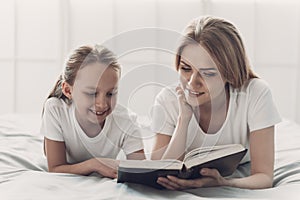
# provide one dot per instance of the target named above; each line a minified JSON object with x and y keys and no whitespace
{"x":55,"y":108}
{"x":55,"y":103}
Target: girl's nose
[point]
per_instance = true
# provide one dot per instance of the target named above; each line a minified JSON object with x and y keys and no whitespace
{"x":100,"y":102}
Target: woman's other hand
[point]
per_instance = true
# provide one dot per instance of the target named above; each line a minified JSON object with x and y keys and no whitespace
{"x":185,"y":109}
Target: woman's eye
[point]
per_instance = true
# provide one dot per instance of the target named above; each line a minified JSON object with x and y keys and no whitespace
{"x":185,"y":68}
{"x":209,"y":74}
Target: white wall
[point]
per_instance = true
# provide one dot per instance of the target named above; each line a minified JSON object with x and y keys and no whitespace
{"x":36,"y":36}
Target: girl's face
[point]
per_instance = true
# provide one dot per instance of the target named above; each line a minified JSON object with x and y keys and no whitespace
{"x":95,"y":93}
{"x":199,"y":76}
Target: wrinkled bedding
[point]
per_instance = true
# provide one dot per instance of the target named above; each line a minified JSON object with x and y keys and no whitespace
{"x":23,"y":171}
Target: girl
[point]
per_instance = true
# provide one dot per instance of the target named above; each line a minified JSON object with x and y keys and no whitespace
{"x":84,"y":128}
{"x":219,"y":101}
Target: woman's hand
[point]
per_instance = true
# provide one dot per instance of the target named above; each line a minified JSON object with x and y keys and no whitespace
{"x":185,"y":109}
{"x":211,"y":177}
{"x":106,"y":167}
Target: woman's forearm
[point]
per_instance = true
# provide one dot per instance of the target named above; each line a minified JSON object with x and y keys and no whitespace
{"x":176,"y":147}
{"x":255,"y":181}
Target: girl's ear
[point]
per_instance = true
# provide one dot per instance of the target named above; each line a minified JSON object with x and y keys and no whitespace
{"x":67,"y":89}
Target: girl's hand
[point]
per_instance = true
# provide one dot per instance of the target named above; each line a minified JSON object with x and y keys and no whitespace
{"x":106,"y":167}
{"x":211,"y":177}
{"x":185,"y":109}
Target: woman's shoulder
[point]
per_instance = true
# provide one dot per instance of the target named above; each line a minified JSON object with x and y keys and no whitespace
{"x":255,"y":86}
{"x":122,"y":113}
{"x":167,"y":94}
{"x":258,"y":84}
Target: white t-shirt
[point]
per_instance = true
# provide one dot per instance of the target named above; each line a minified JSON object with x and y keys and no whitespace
{"x":120,"y":132}
{"x":250,"y":108}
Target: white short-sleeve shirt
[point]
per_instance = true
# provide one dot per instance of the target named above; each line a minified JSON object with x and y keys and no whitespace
{"x":250,"y":108}
{"x":120,"y":132}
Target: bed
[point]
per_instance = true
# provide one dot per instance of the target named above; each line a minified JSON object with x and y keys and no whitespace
{"x":23,"y":171}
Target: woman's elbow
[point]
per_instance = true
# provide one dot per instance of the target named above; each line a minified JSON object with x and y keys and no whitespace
{"x":267,"y":182}
{"x":270,"y":182}
{"x":52,"y":169}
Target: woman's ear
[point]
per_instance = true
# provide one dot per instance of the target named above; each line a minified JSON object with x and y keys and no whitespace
{"x":67,"y":89}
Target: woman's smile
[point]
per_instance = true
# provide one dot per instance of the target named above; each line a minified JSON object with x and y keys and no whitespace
{"x":193,"y":93}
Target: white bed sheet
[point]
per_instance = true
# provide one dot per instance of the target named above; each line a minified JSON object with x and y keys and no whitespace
{"x":23,"y":172}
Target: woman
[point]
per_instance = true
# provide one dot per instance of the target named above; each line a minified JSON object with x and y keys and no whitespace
{"x":219,"y":101}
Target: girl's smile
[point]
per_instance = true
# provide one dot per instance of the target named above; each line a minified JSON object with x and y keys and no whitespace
{"x":99,"y":113}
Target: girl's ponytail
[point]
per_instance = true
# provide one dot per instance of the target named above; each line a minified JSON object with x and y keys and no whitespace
{"x":56,"y":91}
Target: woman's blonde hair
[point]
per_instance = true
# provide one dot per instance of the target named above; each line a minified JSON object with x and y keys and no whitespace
{"x":221,"y":40}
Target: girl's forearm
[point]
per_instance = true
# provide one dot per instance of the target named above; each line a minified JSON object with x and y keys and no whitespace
{"x":83,"y":168}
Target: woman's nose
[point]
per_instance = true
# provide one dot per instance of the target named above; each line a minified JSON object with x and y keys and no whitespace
{"x":195,"y":80}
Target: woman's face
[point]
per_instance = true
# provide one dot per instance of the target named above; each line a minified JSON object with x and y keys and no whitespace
{"x":199,"y":76}
{"x":95,"y":93}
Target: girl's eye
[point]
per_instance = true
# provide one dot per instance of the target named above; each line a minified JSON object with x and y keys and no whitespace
{"x":112,"y":93}
{"x":91,"y":93}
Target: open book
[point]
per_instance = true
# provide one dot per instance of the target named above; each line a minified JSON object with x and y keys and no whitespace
{"x":224,"y":158}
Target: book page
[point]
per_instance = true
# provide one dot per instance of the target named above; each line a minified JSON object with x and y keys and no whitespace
{"x":152,"y":164}
{"x":205,"y":154}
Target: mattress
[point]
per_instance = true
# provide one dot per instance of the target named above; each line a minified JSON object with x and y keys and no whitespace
{"x":23,"y":170}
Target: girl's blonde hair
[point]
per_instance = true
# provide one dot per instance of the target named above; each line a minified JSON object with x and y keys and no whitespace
{"x":221,"y":40}
{"x":80,"y":57}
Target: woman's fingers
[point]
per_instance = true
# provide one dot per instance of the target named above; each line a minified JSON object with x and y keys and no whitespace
{"x":167,"y":183}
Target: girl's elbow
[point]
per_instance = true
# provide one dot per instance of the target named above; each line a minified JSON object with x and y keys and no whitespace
{"x":155,"y":156}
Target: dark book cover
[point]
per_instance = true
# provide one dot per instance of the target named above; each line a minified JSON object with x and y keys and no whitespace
{"x":144,"y":176}
{"x":226,"y":165}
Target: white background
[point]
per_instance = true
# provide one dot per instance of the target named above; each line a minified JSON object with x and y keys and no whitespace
{"x":37,"y":35}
